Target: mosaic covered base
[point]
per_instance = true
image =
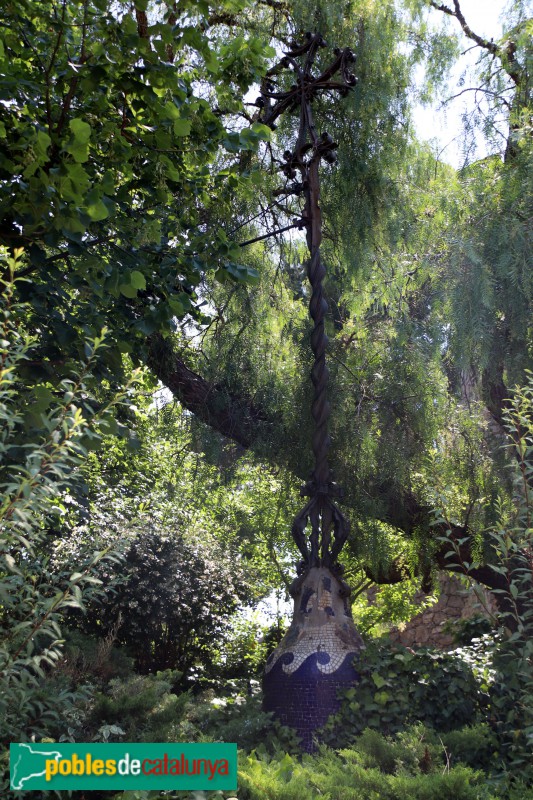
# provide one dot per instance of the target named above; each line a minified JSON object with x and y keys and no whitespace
{"x":314,"y":660}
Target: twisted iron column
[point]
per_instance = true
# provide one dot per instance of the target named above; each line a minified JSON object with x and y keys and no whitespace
{"x":305,"y":158}
{"x":314,"y":660}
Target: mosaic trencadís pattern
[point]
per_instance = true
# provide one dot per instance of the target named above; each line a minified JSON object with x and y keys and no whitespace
{"x":315,"y":658}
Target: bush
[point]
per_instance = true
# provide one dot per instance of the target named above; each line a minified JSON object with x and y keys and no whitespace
{"x":94,"y":660}
{"x":476,"y":746}
{"x":236,"y":717}
{"x":174,"y":598}
{"x":464,"y":631}
{"x":409,"y":767}
{"x":510,"y":543}
{"x":143,"y":708}
{"x":399,"y":687}
{"x":43,"y":437}
{"x":244,"y":651}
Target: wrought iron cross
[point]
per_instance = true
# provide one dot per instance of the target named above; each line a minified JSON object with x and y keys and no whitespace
{"x":329,"y":527}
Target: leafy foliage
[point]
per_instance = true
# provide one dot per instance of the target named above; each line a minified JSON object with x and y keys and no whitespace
{"x":174,"y":597}
{"x":405,"y":768}
{"x":389,"y":606}
{"x":109,"y":143}
{"x":131,"y":171}
{"x":512,"y":652}
{"x":184,"y":478}
{"x":140,"y":708}
{"x":39,"y":455}
{"x":399,"y":686}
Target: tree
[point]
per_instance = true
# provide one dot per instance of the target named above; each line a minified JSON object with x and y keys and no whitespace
{"x":504,"y":73}
{"x":432,"y":330}
{"x":112,"y":122}
{"x":164,"y":188}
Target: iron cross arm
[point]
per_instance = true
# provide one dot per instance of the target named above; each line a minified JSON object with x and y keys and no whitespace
{"x":274,"y":101}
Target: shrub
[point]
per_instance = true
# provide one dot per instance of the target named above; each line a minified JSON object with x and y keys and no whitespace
{"x":94,"y":660}
{"x":236,"y":717}
{"x":175,"y":598}
{"x":510,"y":542}
{"x":475,"y":745}
{"x":42,"y":444}
{"x":374,"y":768}
{"x":399,"y":687}
{"x":464,"y":631}
{"x":142,"y":707}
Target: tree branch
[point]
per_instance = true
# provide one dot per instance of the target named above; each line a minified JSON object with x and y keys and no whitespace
{"x":506,"y":55}
{"x":142,"y":23}
{"x":236,"y":418}
{"x":458,"y":14}
{"x":239,"y":419}
{"x":455,"y":555}
{"x":477,"y":89}
{"x":300,"y":224}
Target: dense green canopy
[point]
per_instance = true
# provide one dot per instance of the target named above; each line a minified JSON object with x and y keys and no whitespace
{"x":155,"y":393}
{"x":136,"y":178}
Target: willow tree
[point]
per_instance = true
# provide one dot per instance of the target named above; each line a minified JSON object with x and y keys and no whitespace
{"x":133,"y":174}
{"x":430,"y":295}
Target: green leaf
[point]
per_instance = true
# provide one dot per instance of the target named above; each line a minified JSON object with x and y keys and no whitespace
{"x":182,"y":127}
{"x":97,"y":210}
{"x":137,"y":279}
{"x":78,"y":146}
{"x":75,"y":184}
{"x":128,"y":290}
{"x":242,"y":273}
{"x":43,"y":396}
{"x":248,"y":139}
{"x":107,"y":183}
{"x":179,"y":304}
{"x":42,"y":144}
{"x":232,"y":143}
{"x":81,"y":130}
{"x":378,"y":680}
{"x":262,"y":131}
{"x":172,"y":111}
{"x":12,"y":566}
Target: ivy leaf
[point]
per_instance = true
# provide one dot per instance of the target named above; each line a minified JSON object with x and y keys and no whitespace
{"x":378,"y":680}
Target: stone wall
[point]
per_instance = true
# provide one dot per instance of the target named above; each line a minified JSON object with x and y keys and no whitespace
{"x":455,"y":602}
